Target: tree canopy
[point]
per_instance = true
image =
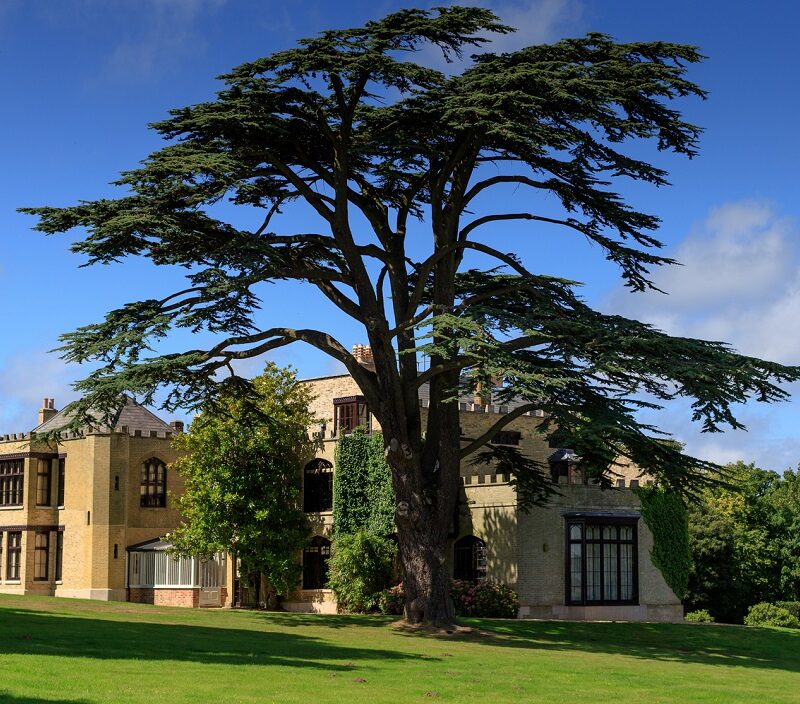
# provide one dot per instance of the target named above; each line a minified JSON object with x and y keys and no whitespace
{"x":242,"y":476}
{"x":393,"y":157}
{"x":745,"y":541}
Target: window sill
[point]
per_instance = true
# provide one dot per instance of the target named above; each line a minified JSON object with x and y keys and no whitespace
{"x":328,"y":512}
{"x":12,"y":508}
{"x":12,"y":582}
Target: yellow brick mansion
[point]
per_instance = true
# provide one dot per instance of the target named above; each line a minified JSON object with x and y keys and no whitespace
{"x":86,"y":518}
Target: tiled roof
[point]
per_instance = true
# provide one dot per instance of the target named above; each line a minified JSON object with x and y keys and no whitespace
{"x":130,"y":414}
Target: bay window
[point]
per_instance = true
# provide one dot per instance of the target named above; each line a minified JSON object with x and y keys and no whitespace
{"x":601,"y":560}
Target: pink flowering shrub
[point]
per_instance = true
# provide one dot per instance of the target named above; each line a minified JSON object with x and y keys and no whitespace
{"x":484,"y":599}
{"x":392,"y":600}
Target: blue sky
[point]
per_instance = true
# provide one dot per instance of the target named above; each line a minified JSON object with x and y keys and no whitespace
{"x":82,"y":79}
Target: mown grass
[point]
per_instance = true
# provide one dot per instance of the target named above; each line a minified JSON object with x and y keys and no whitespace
{"x":80,"y":652}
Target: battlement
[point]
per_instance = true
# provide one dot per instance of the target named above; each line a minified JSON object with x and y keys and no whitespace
{"x":468,"y":407}
{"x":12,"y":437}
{"x":73,"y":435}
{"x":500,"y":478}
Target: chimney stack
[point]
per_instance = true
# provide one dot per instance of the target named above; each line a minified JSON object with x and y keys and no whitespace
{"x":177,"y":426}
{"x":363,"y":355}
{"x":48,"y":410}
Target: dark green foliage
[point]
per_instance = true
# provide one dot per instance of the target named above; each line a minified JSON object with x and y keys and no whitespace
{"x":360,"y":568}
{"x":363,"y":558}
{"x":484,"y":599}
{"x":362,"y":490}
{"x":700,"y":616}
{"x":793,"y":607}
{"x":764,"y":614}
{"x":745,"y":543}
{"x":665,"y":514}
{"x":343,"y":114}
{"x":242,"y":479}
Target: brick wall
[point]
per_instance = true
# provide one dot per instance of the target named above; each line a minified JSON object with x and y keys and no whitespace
{"x":186,"y":598}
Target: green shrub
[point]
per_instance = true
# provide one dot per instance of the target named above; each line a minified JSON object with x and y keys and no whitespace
{"x":392,"y":600}
{"x":699,"y":616}
{"x":360,"y":568}
{"x":484,"y":600}
{"x":793,"y":607}
{"x":765,"y":614}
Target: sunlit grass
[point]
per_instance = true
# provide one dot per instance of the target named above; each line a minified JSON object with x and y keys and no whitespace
{"x":80,"y":652}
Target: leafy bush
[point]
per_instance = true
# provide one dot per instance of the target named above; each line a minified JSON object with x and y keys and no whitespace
{"x":765,"y":614}
{"x":699,"y":616}
{"x":360,"y":568}
{"x":793,"y":607}
{"x":485,"y":599}
{"x":392,"y":600}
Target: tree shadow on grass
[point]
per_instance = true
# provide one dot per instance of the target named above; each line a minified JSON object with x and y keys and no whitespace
{"x":335,"y":621}
{"x":7,"y":698}
{"x":681,"y":643}
{"x":50,"y":633}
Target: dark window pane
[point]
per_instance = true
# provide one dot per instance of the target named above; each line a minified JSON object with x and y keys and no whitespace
{"x":61,"y":477}
{"x":153,"y":489}
{"x":41,"y":556}
{"x":44,"y":473}
{"x":469,"y":559}
{"x":315,"y":563}
{"x":13,"y":559}
{"x":507,"y":437}
{"x":12,"y":474}
{"x":59,"y":555}
{"x":318,"y":486}
{"x":601,"y":562}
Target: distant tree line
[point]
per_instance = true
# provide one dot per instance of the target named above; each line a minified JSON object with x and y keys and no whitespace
{"x":745,"y":543}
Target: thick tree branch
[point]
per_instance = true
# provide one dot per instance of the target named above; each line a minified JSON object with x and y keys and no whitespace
{"x":496,"y":427}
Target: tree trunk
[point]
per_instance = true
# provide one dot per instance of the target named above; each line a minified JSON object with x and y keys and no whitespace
{"x":423,"y":546}
{"x":426,"y":492}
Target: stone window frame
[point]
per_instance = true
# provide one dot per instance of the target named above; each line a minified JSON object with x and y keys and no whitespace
{"x":469,"y":559}
{"x":13,"y":555}
{"x":507,"y":437}
{"x":349,"y":413}
{"x":318,"y":486}
{"x":12,"y":482}
{"x":41,"y":556}
{"x":315,"y":563}
{"x":600,"y":521}
{"x":44,"y":482}
{"x":152,"y":488}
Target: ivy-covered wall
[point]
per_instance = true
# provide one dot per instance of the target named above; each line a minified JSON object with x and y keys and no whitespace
{"x":362,"y":489}
{"x":665,"y":515}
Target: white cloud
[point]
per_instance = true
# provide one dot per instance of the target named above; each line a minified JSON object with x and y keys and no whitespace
{"x":739,"y":282}
{"x":536,"y":22}
{"x":165,"y":31}
{"x":25,"y":379}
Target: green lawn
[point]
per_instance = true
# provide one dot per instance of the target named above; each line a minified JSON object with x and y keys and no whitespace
{"x":80,"y":652}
